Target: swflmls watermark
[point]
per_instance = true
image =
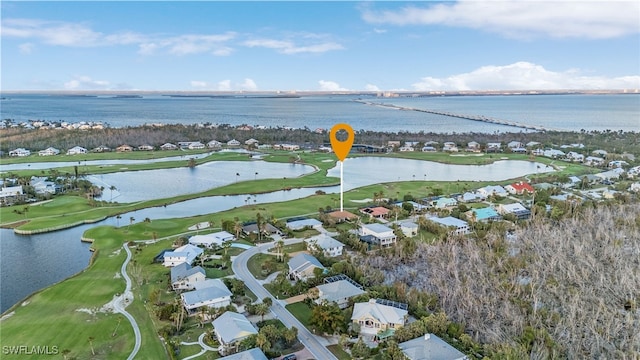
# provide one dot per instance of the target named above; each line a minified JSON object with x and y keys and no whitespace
{"x":30,"y":350}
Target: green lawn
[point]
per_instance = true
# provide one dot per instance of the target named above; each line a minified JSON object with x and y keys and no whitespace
{"x":256,"y":265}
{"x":301,"y":311}
{"x":338,"y":352}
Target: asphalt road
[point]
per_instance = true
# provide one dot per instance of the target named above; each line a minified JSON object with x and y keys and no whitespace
{"x":241,"y":270}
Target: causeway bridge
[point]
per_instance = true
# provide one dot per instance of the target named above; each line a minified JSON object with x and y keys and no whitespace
{"x":465,"y":116}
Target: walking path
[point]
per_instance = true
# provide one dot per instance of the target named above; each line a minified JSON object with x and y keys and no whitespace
{"x":125,"y":299}
{"x":200,"y":342}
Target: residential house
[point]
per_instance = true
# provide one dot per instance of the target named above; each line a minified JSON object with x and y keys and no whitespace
{"x":195,"y":145}
{"x":287,"y":147}
{"x":230,"y":329}
{"x":267,"y":229}
{"x":76,"y":150}
{"x":214,"y":144}
{"x":445,"y":202}
{"x":516,"y":209}
{"x":251,"y":142}
{"x":233,"y":143}
{"x":635,"y":187}
{"x":409,"y":228}
{"x":515,"y":145}
{"x":101,"y":149}
{"x":300,"y":224}
{"x":329,"y":246}
{"x":42,"y":186}
{"x":494,"y":147}
{"x":553,"y":153}
{"x":210,"y":293}
{"x":342,"y":216}
{"x":185,"y":277}
{"x":377,"y":212}
{"x":634,"y":171}
{"x":610,"y":175}
{"x":489,"y":190}
{"x":593,"y":161}
{"x":406,"y":148}
{"x":575,"y":157}
{"x":302,"y":266}
{"x":484,"y":214}
{"x":617,"y":164}
{"x":211,"y":240}
{"x":519,"y":188}
{"x":600,"y":153}
{"x":339,"y":291}
{"x":455,"y":225}
{"x":49,"y":151}
{"x":251,"y":354}
{"x":531,"y":144}
{"x":393,"y":143}
{"x":429,"y":347}
{"x":377,"y":318}
{"x":145,"y":147}
{"x":450,"y":147}
{"x":429,"y":149}
{"x":377,"y":234}
{"x":469,"y":197}
{"x":124,"y":148}
{"x":169,"y":146}
{"x":19,"y":152}
{"x":473,"y":147}
{"x":187,"y":253}
{"x":10,"y":195}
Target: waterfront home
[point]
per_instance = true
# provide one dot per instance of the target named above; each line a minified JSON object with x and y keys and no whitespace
{"x":516,"y":209}
{"x":469,"y":197}
{"x":494,"y":147}
{"x":195,"y":145}
{"x":302,"y":266}
{"x":406,"y":149}
{"x":519,"y":188}
{"x":484,"y":214}
{"x":211,"y":240}
{"x":301,"y":224}
{"x":473,"y":146}
{"x":49,"y":151}
{"x":377,"y":212}
{"x":233,"y":143}
{"x":145,"y":147}
{"x":124,"y":148}
{"x":287,"y":147}
{"x":575,"y":157}
{"x":553,"y":154}
{"x":379,"y":319}
{"x":430,"y":347}
{"x":251,"y":354}
{"x":184,"y":254}
{"x":489,"y":190}
{"x":515,"y":145}
{"x":377,"y":234}
{"x":593,"y":161}
{"x":101,"y":149}
{"x":251,"y":142}
{"x":429,"y":149}
{"x":76,"y":150}
{"x":449,"y":146}
{"x":19,"y":152}
{"x":210,"y":293}
{"x":169,"y":146}
{"x":11,"y":194}
{"x":230,"y":329}
{"x":214,"y":144}
{"x":393,"y":143}
{"x":185,"y":277}
{"x":338,"y":290}
{"x":445,"y":202}
{"x":42,"y":186}
{"x":329,"y":246}
{"x":454,"y":225}
{"x":267,"y":229}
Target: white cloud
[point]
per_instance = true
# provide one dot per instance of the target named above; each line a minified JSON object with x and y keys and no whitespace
{"x":379,"y":31}
{"x":524,"y":76}
{"x":50,"y":32}
{"x":289,"y":47}
{"x":515,"y":18}
{"x":370,"y":87}
{"x":199,"y":84}
{"x":248,"y":85}
{"x":86,"y":83}
{"x":26,"y":48}
{"x":330,"y":86}
{"x":224,"y":85}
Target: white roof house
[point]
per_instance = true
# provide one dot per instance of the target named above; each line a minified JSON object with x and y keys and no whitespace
{"x":210,"y":292}
{"x":233,"y":142}
{"x":184,"y":277}
{"x":11,"y":191}
{"x":303,"y":223}
{"x":187,"y":253}
{"x":214,"y":144}
{"x":374,"y":317}
{"x":168,"y":146}
{"x":409,"y":228}
{"x":382,"y":235}
{"x":20,"y":152}
{"x":230,"y":329}
{"x":338,"y":292}
{"x":492,"y":190}
{"x":251,"y":354}
{"x":429,"y":347}
{"x":195,"y":145}
{"x":301,"y":266}
{"x":329,"y":246}
{"x":211,"y":240}
{"x":459,"y":227}
{"x":76,"y":150}
{"x":49,"y":151}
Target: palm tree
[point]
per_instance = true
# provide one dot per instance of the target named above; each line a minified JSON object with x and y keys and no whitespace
{"x":65,"y":352}
{"x":93,"y":352}
{"x":263,"y":342}
{"x":118,"y":217}
{"x":237,"y":175}
{"x":111,"y":188}
{"x":237,"y":227}
{"x":279,"y":248}
{"x":267,"y":301}
{"x":255,"y":176}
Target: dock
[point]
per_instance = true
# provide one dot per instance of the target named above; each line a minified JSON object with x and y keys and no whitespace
{"x":481,"y":118}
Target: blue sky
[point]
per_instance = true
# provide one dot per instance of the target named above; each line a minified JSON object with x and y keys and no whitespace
{"x":314,"y":46}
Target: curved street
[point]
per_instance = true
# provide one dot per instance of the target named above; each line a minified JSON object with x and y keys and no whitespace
{"x":241,"y":271}
{"x":125,"y":299}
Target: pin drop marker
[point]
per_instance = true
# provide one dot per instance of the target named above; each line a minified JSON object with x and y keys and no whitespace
{"x":341,"y":147}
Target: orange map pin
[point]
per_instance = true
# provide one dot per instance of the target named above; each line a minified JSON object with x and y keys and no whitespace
{"x":341,"y":147}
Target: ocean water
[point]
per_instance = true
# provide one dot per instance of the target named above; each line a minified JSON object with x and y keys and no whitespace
{"x":562,"y":112}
